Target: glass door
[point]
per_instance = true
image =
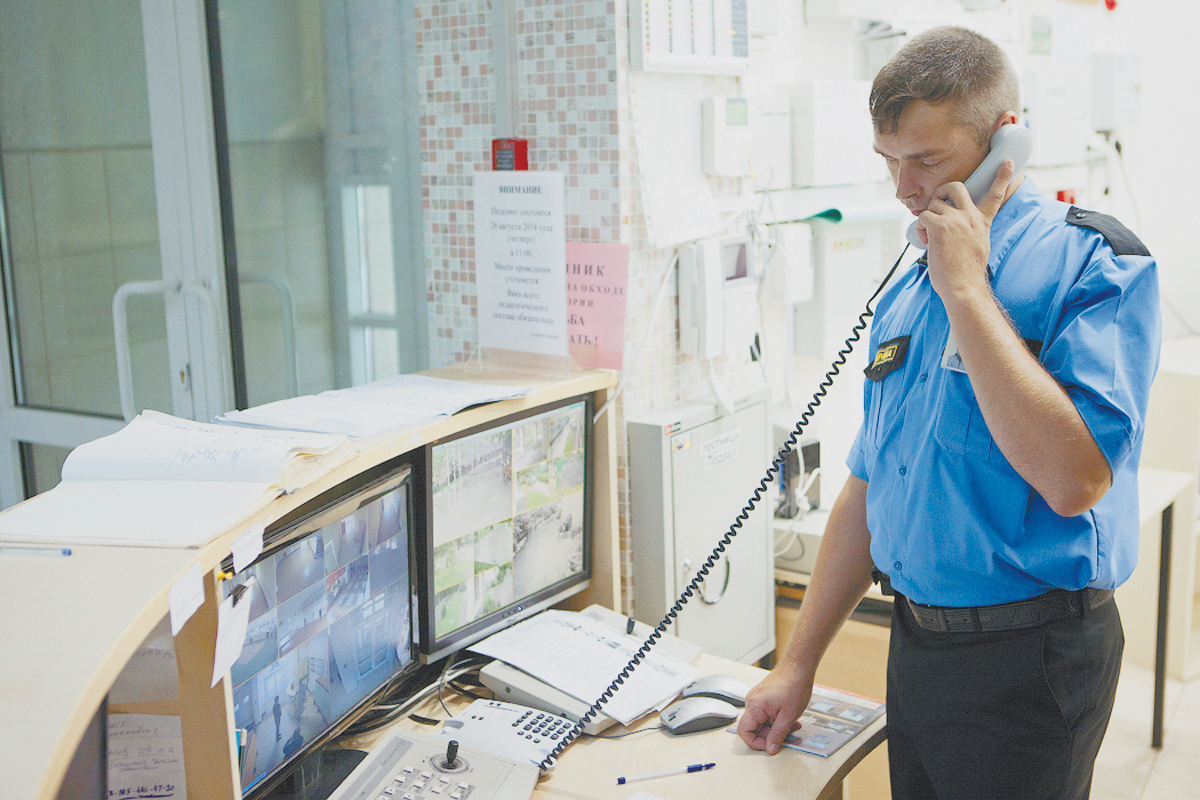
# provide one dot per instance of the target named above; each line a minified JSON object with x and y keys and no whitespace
{"x":207,"y":204}
{"x":105,"y":167}
{"x":318,"y":149}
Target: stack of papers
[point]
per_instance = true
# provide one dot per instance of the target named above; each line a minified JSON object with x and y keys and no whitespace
{"x":394,"y":404}
{"x":170,"y":482}
{"x":581,"y":656}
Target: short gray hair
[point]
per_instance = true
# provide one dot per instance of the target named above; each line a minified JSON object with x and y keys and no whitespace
{"x":947,"y":64}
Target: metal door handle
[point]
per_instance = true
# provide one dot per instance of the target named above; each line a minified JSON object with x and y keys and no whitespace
{"x":288,"y":306}
{"x":121,"y":332}
{"x":121,"y":335}
{"x":687,"y":567}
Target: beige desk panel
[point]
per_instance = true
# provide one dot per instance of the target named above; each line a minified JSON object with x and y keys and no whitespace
{"x":58,"y":656}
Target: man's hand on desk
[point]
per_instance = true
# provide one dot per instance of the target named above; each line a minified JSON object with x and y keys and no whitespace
{"x":773,"y":710}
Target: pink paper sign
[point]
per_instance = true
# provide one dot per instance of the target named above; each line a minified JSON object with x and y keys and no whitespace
{"x":597,"y":275}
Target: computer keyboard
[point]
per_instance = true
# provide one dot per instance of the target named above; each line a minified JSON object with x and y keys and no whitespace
{"x":410,"y":766}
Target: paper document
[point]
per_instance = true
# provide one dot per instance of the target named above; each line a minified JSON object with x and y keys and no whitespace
{"x":680,"y":650}
{"x":145,"y":757}
{"x":233,"y":617}
{"x":162,"y":481}
{"x":157,"y":447}
{"x":582,"y":657}
{"x":393,"y":404}
{"x":135,"y":513}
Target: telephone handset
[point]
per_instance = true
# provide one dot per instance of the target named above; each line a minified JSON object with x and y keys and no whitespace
{"x":1008,"y":142}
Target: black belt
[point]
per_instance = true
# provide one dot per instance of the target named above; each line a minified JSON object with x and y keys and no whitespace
{"x":1049,"y":607}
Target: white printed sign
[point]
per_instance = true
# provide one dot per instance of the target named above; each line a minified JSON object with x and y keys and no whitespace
{"x":721,"y":449}
{"x":520,"y":258}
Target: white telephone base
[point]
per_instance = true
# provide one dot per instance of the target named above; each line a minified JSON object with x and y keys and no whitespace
{"x":516,"y":686}
{"x":517,"y":733}
{"x":409,"y":766}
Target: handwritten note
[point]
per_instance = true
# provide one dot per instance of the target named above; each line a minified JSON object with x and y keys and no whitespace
{"x":155,"y":447}
{"x":185,"y":597}
{"x":519,"y":252}
{"x":145,"y":758}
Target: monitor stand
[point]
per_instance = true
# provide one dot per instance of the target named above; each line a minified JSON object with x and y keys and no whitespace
{"x":315,"y":777}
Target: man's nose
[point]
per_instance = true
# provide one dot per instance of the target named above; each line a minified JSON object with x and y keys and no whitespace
{"x":907,"y":186}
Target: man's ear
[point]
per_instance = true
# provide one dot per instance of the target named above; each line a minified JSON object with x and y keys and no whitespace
{"x":1007,"y":118}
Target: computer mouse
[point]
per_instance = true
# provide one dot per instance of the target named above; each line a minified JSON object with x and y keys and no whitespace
{"x":694,"y":714}
{"x":722,"y":687}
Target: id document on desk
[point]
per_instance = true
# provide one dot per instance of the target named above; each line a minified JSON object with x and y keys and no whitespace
{"x":581,"y":656}
{"x":832,"y":718}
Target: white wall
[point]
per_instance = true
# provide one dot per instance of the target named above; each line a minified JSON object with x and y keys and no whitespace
{"x":1161,"y":157}
{"x":1050,"y":43}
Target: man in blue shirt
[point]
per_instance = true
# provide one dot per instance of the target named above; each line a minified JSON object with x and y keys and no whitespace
{"x":994,"y":479}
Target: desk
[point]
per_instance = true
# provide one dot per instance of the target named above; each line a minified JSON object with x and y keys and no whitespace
{"x":1156,"y":601}
{"x":71,"y":624}
{"x":589,"y":768}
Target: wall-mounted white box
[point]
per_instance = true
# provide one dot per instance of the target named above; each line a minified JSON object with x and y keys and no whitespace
{"x":832,"y":137}
{"x":710,"y":37}
{"x":1116,"y":91}
{"x":771,"y":141}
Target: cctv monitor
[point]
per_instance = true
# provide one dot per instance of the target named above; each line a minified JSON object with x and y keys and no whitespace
{"x":330,"y":625}
{"x":505,"y":527}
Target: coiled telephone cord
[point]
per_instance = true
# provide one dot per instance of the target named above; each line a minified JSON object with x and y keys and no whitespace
{"x":759,"y":492}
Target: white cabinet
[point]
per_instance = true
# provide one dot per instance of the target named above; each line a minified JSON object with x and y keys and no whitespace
{"x":692,"y":470}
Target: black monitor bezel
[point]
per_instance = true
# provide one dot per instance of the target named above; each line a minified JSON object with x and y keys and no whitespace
{"x":432,"y":648}
{"x":367,"y":486}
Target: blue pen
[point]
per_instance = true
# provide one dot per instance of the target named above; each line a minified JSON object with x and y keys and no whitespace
{"x":18,"y":550}
{"x":665,"y":772}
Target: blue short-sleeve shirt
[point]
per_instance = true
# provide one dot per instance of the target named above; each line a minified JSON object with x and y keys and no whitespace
{"x":951,"y":522}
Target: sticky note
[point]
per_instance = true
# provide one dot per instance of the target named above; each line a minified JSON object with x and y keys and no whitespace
{"x":247,"y":547}
{"x":233,"y":618}
{"x":185,"y":596}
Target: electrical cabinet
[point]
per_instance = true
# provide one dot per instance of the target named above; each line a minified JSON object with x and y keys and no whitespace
{"x":692,"y":470}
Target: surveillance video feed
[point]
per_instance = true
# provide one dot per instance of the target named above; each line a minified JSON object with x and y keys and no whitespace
{"x":329,"y":624}
{"x":508,"y":510}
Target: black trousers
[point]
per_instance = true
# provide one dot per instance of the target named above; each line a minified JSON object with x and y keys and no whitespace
{"x":1000,"y":715}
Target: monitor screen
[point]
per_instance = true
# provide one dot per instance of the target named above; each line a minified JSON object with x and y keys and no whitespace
{"x":507,"y":525}
{"x":330,"y":625}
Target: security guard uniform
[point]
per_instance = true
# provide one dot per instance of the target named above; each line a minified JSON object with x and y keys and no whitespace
{"x":1005,"y":643}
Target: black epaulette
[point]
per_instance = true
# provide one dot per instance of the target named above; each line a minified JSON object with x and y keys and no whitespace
{"x":1119,"y":238}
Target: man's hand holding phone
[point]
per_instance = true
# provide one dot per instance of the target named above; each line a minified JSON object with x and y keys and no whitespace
{"x":957,"y":233}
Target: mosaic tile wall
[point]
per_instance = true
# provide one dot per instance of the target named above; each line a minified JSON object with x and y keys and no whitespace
{"x":574,"y":108}
{"x":566,"y":109}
